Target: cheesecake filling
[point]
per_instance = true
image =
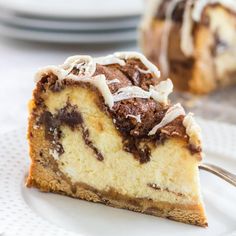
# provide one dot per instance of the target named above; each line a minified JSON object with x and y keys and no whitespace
{"x":78,"y":162}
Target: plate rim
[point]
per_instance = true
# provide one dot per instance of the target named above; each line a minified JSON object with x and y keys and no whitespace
{"x":26,"y":7}
{"x":68,"y":37}
{"x":71,"y":24}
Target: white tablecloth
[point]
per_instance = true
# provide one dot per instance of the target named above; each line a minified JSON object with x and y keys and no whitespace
{"x":18,"y":62}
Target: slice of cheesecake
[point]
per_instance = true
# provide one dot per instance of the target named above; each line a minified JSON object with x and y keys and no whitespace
{"x":103,"y":130}
{"x":192,"y":41}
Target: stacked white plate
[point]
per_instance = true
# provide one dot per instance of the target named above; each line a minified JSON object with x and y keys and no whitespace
{"x":71,"y":21}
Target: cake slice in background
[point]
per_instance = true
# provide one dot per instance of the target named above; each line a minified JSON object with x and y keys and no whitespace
{"x":192,"y":42}
{"x":103,"y":130}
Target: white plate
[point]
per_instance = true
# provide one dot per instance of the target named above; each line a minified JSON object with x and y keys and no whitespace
{"x":69,"y":24}
{"x":29,"y":212}
{"x":75,"y":8}
{"x":68,"y":36}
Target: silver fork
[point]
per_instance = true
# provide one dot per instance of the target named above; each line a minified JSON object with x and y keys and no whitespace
{"x":220,"y":172}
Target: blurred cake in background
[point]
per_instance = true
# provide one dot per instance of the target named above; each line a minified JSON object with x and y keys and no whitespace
{"x":192,"y":41}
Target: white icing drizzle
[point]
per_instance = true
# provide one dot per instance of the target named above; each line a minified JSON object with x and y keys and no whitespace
{"x":192,"y":129}
{"x":163,"y":57}
{"x":108,"y":60}
{"x":161,"y":91}
{"x":84,"y":64}
{"x":142,"y":58}
{"x":186,"y":42}
{"x":143,"y":71}
{"x":130,"y":92}
{"x":137,"y":118}
{"x":113,"y":81}
{"x":171,"y":114}
{"x":100,"y":82}
{"x":150,"y":11}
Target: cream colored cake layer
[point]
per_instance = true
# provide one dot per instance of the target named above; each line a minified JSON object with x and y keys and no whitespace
{"x":210,"y":71}
{"x":119,"y":169}
{"x":223,"y":24}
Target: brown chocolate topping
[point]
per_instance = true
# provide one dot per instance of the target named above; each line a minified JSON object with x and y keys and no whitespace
{"x":135,"y":76}
{"x":54,"y":84}
{"x":175,"y":128}
{"x":112,"y":72}
{"x":128,"y":75}
{"x":150,"y":111}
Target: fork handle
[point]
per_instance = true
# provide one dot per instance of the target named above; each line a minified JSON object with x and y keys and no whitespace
{"x":220,"y":172}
